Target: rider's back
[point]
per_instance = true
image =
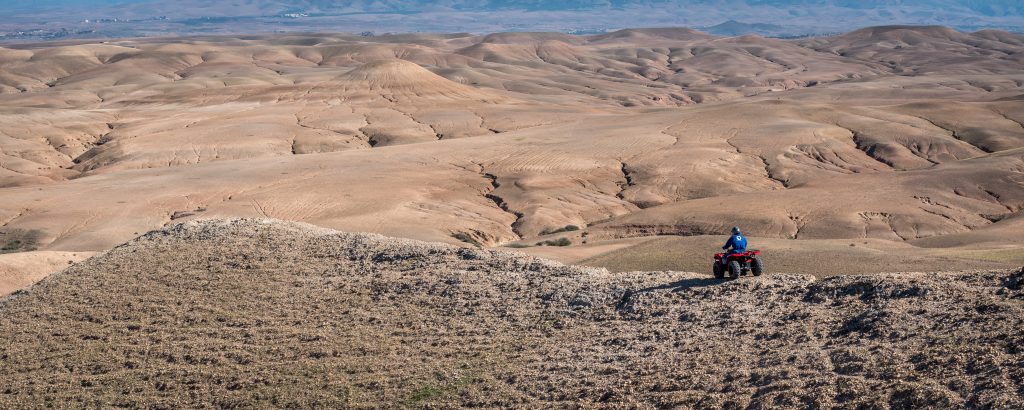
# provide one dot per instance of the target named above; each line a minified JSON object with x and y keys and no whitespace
{"x":737,"y":242}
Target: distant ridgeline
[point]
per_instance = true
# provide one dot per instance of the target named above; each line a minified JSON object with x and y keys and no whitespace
{"x":770,"y":18}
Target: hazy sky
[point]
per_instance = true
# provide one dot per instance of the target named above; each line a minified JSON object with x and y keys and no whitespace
{"x":981,"y":7}
{"x":776,"y":17}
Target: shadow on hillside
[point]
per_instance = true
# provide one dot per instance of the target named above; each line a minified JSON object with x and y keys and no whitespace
{"x":684,"y":284}
{"x":677,"y":286}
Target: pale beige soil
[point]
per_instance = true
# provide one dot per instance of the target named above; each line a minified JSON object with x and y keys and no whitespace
{"x":20,"y":270}
{"x":578,"y":251}
{"x":815,"y":257}
{"x":900,"y":133}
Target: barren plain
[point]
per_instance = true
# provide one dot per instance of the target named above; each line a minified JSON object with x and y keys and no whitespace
{"x":906,"y":134}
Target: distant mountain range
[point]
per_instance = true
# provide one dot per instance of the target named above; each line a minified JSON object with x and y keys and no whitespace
{"x":780,"y":18}
{"x":736,"y":28}
{"x":983,"y":8}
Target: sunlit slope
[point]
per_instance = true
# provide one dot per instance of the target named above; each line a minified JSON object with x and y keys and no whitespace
{"x":881,"y":133}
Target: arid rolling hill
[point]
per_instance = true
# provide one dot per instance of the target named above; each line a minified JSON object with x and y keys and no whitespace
{"x":907,"y":134}
{"x":257,"y":313}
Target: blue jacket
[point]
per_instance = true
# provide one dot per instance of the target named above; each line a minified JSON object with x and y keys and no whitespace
{"x":737,"y":242}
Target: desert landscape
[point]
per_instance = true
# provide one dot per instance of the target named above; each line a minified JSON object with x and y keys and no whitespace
{"x":192,"y":192}
{"x":907,"y":134}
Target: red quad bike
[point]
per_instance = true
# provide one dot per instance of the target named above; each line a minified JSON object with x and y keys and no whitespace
{"x":738,"y":264}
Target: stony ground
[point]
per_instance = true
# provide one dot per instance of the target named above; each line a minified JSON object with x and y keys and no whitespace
{"x":247,"y":313}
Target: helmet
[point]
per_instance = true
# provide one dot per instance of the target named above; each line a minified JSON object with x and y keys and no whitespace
{"x":735,"y":230}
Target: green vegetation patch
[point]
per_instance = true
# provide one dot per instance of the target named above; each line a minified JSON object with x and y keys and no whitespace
{"x":428,"y":392}
{"x":19,"y":240}
{"x":465,"y":237}
{"x":567,"y":228}
{"x":556,"y":242}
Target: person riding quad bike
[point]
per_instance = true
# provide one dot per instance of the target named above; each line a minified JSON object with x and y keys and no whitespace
{"x":737,"y":242}
{"x":736,"y":259}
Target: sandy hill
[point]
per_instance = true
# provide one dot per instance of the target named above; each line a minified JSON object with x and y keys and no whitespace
{"x":651,"y":34}
{"x":911,"y":135}
{"x":529,"y":38}
{"x":399,"y":79}
{"x":923,"y":49}
{"x":252,"y":313}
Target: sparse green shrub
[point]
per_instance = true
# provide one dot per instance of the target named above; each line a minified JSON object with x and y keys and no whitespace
{"x":567,"y":228}
{"x":464,"y":237}
{"x":19,"y":240}
{"x":556,"y":242}
{"x":11,"y":246}
{"x":517,"y":245}
{"x":428,"y":392}
{"x":425,"y":393}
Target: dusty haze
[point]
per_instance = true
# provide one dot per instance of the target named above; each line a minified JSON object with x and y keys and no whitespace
{"x":63,"y":19}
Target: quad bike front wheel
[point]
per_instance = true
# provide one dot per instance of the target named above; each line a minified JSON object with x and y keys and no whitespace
{"x":757,"y":266}
{"x":735,"y":270}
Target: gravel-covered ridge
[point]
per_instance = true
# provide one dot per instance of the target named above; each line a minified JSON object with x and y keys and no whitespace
{"x":253,"y":313}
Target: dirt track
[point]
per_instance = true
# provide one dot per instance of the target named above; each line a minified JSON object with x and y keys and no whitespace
{"x":821,"y":257}
{"x":257,"y":313}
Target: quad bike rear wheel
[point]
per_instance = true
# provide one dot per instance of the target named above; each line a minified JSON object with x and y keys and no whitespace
{"x":735,"y":270}
{"x":757,"y":266}
{"x":719,"y":270}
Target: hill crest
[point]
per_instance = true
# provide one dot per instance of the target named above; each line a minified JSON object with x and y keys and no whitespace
{"x":253,"y":312}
